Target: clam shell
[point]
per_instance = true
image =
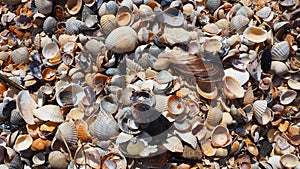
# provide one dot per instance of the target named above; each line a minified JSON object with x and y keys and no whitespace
{"x":211,"y":29}
{"x":287,"y":96}
{"x":264,"y":12}
{"x":74,"y":26}
{"x":110,"y":7}
{"x":135,"y":147}
{"x":44,"y":6}
{"x":262,"y":113}
{"x":94,"y":47}
{"x":49,"y":25}
{"x":23,"y":142}
{"x":121,"y":40}
{"x":246,"y":11}
{"x":57,"y":160}
{"x":252,"y":149}
{"x":161,"y":103}
{"x":82,"y":130}
{"x":214,"y":117}
{"x":280,"y":51}
{"x":39,"y":159}
{"x":293,"y":84}
{"x":70,"y":94}
{"x":173,"y":144}
{"x":109,"y":104}
{"x":176,"y":105}
{"x":108,"y":23}
{"x":124,"y":16}
{"x":220,"y":136}
{"x":73,"y":6}
{"x":4,"y":56}
{"x":25,"y":104}
{"x":289,"y":160}
{"x":104,"y":127}
{"x":255,"y":34}
{"x":164,"y":77}
{"x":241,"y":76}
{"x":173,"y":17}
{"x":67,"y":131}
{"x":212,"y":45}
{"x":208,"y":149}
{"x":40,"y":144}
{"x":145,"y":11}
{"x":232,"y":88}
{"x":50,"y":50}
{"x":20,"y":55}
{"x":238,"y":23}
{"x":279,"y":67}
{"x":49,"y":113}
{"x":212,"y":5}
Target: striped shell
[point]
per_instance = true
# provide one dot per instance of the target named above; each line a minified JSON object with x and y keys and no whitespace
{"x":122,"y":40}
{"x":49,"y":113}
{"x":255,"y":34}
{"x":74,"y":26}
{"x":49,"y":25}
{"x":44,"y":6}
{"x":20,"y":55}
{"x":232,"y":88}
{"x":67,"y":131}
{"x":73,"y":6}
{"x":280,"y":51}
{"x":262,"y":113}
{"x":238,"y":23}
{"x":108,"y":23}
{"x":264,"y":12}
{"x":82,"y":130}
{"x":213,"y":4}
{"x":214,"y":116}
{"x":16,"y":117}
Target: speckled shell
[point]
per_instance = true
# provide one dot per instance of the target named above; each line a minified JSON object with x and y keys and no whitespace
{"x":49,"y":113}
{"x":280,"y":51}
{"x":213,"y":4}
{"x":121,"y":40}
{"x":44,"y":6}
{"x":49,"y":25}
{"x":73,"y":6}
{"x":255,"y":34}
{"x":20,"y":55}
{"x":108,"y":23}
{"x":238,"y":23}
{"x":68,"y":132}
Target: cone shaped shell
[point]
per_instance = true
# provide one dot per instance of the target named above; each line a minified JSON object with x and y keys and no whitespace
{"x":255,"y":34}
{"x":122,"y":40}
{"x":67,"y":131}
{"x":49,"y":113}
{"x":220,"y":136}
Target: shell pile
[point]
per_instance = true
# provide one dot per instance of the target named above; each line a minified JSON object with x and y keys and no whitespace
{"x":149,"y":84}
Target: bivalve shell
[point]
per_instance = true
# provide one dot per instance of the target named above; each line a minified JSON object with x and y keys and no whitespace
{"x":220,"y":136}
{"x":23,"y":142}
{"x":176,"y":105}
{"x":70,"y":94}
{"x":280,"y":51}
{"x":44,"y":6}
{"x":289,"y":160}
{"x":264,"y":12}
{"x":238,"y":23}
{"x":20,"y":55}
{"x":67,"y":131}
{"x":214,"y":116}
{"x":50,"y":50}
{"x":293,"y":84}
{"x":122,"y":40}
{"x":213,"y":4}
{"x":108,"y":23}
{"x":73,"y":6}
{"x":232,"y":88}
{"x":49,"y":25}
{"x":279,"y":68}
{"x":57,"y":160}
{"x":173,"y":17}
{"x":49,"y":113}
{"x":255,"y":34}
{"x":287,"y":96}
{"x":262,"y":113}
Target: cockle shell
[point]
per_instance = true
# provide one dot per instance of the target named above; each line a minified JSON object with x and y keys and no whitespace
{"x":49,"y":113}
{"x":57,"y":160}
{"x":104,"y":127}
{"x":93,"y":153}
{"x":293,"y":84}
{"x":108,"y":23}
{"x":70,"y":94}
{"x":16,"y":117}
{"x":44,"y":6}
{"x":279,"y":67}
{"x":220,"y":136}
{"x":50,"y":25}
{"x":262,"y":113}
{"x":145,"y":11}
{"x":238,"y":23}
{"x":287,"y":96}
{"x":74,"y":26}
{"x":214,"y":117}
{"x":289,"y":160}
{"x":124,"y":16}
{"x":212,"y":5}
{"x":255,"y":34}
{"x":82,"y":130}
{"x":264,"y":12}
{"x":109,"y":104}
{"x":109,"y":8}
{"x":280,"y":51}
{"x":25,"y":104}
{"x":67,"y":131}
{"x":73,"y":6}
{"x":176,"y":105}
{"x":20,"y":55}
{"x":23,"y":142}
{"x":50,"y":50}
{"x":122,"y":40}
{"x":232,"y":88}
{"x":241,"y":76}
{"x":40,"y":144}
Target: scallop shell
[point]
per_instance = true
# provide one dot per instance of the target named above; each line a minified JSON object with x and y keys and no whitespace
{"x":49,"y":113}
{"x":44,"y":6}
{"x":25,"y":104}
{"x":280,"y":51}
{"x":214,"y":117}
{"x":108,"y":23}
{"x":212,"y":5}
{"x":124,"y":16}
{"x":262,"y":113}
{"x":289,"y":160}
{"x":255,"y":34}
{"x":232,"y":88}
{"x":104,"y":127}
{"x":20,"y":55}
{"x":220,"y":136}
{"x":238,"y":23}
{"x":67,"y":131}
{"x":73,"y":6}
{"x":23,"y":142}
{"x":121,"y":40}
{"x":49,"y":25}
{"x":287,"y":96}
{"x":11,"y":2}
{"x":109,"y":104}
{"x":57,"y":160}
{"x":176,"y":105}
{"x":40,"y":144}
{"x":70,"y":94}
{"x":50,"y":50}
{"x":264,"y":12}
{"x":173,"y":17}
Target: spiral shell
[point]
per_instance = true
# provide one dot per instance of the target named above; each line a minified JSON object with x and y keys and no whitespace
{"x":44,"y":6}
{"x":20,"y":55}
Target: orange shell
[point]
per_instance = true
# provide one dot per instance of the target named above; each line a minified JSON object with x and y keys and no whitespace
{"x":40,"y":144}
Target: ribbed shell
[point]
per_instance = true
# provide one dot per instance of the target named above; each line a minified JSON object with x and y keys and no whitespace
{"x":104,"y":127}
{"x":20,"y":55}
{"x":280,"y":51}
{"x":68,"y":132}
{"x":11,"y":2}
{"x":262,"y":113}
{"x":214,"y":116}
{"x":16,"y":162}
{"x":213,"y":4}
{"x":108,"y":23}
{"x":44,"y":6}
{"x":122,"y":40}
{"x":16,"y":117}
{"x":4,"y":55}
{"x":49,"y":113}
{"x":238,"y":23}
{"x":49,"y":25}
{"x":74,"y":26}
{"x":264,"y":12}
{"x":57,"y":160}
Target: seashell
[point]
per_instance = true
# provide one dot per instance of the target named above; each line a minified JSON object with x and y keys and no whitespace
{"x":173,"y":17}
{"x":161,"y":103}
{"x":67,"y":131}
{"x":293,"y":84}
{"x":238,"y":23}
{"x":40,"y":144}
{"x":144,"y":113}
{"x":11,"y":2}
{"x":25,"y":104}
{"x":176,"y":36}
{"x":70,"y":94}
{"x":89,"y":3}
{"x":49,"y":74}
{"x":93,"y":154}
{"x":57,"y":160}
{"x":91,"y":20}
{"x":289,"y":160}
{"x":255,"y":34}
{"x":220,"y":136}
{"x":134,"y":147}
{"x":16,"y":162}
{"x":20,"y":55}
{"x":49,"y":113}
{"x":44,"y":6}
{"x":280,"y":51}
{"x":104,"y":127}
{"x":38,"y":159}
{"x":122,"y":40}
{"x":287,"y":96}
{"x":124,"y":16}
{"x":173,"y":144}
{"x":252,"y":149}
{"x":214,"y":116}
{"x":163,"y":77}
{"x":23,"y":142}
{"x":82,"y":130}
{"x":188,"y":9}
{"x":145,"y":11}
{"x":50,"y":50}
{"x":33,"y":130}
{"x":143,"y":97}
{"x":279,"y":67}
{"x":211,"y":29}
{"x":245,"y":11}
{"x":108,"y":23}
{"x":109,"y":8}
{"x":175,"y":105}
{"x":232,"y":88}
{"x":109,"y":104}
{"x":161,"y":64}
{"x":208,"y":149}
{"x":48,"y":126}
{"x":74,"y":26}
{"x":199,"y":130}
{"x":262,"y":113}
{"x":16,"y":117}
{"x":94,"y":47}
{"x":49,"y":25}
{"x":212,"y":5}
{"x":73,"y":6}
{"x":264,"y":12}
{"x":212,"y":45}
{"x":207,"y":91}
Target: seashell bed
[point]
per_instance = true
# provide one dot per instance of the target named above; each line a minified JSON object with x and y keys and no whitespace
{"x":96,"y":84}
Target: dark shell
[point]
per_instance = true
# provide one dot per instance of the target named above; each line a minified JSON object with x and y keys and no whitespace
{"x":266,"y":59}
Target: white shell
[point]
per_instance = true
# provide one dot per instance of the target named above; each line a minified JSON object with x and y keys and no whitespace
{"x":293,"y":84}
{"x":232,"y":88}
{"x":25,"y":104}
{"x":287,"y":96}
{"x":279,"y":67}
{"x":214,"y":116}
{"x":289,"y":160}
{"x":255,"y":34}
{"x":49,"y":113}
{"x":280,"y":51}
{"x":50,"y":50}
{"x":220,"y":136}
{"x":23,"y":142}
{"x":241,"y":76}
{"x":262,"y":113}
{"x":67,"y":131}
{"x":173,"y":144}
